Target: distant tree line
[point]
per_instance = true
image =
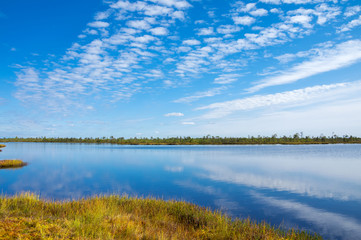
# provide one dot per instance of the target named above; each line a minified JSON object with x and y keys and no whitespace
{"x":297,"y":138}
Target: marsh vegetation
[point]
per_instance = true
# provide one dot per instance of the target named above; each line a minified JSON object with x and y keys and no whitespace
{"x":15,"y":163}
{"x":113,"y":217}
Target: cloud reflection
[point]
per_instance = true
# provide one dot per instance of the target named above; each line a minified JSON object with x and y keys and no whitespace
{"x":312,"y":171}
{"x":332,"y":225}
{"x":310,"y":186}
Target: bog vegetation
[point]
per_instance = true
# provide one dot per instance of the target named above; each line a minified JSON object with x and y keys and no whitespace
{"x":11,"y":163}
{"x":112,"y":217}
{"x":297,"y":138}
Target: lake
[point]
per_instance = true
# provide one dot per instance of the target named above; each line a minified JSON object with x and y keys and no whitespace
{"x":311,"y":187}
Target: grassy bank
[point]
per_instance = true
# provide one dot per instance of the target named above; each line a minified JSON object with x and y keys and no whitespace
{"x":113,"y":217}
{"x":12,"y":163}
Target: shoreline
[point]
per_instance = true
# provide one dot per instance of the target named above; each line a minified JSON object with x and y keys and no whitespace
{"x":296,"y":139}
{"x":123,"y":217}
{"x":195,"y":144}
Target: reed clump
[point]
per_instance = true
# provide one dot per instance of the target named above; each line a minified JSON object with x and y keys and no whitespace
{"x":25,"y":216}
{"x":12,"y":163}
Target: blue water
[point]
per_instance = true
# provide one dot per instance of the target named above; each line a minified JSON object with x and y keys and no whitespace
{"x":311,"y":187}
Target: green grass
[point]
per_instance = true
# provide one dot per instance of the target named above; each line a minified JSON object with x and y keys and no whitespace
{"x":113,"y":217}
{"x":11,"y":163}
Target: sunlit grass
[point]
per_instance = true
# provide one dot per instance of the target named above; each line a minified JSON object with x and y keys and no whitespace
{"x":11,"y":163}
{"x":2,"y":146}
{"x":113,"y":217}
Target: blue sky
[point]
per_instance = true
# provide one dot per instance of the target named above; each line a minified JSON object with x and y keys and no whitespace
{"x":179,"y":68}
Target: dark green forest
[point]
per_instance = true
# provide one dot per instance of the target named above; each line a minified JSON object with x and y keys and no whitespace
{"x":297,"y":138}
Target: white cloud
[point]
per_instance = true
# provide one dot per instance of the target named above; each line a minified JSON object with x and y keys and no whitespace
{"x":91,"y":31}
{"x":277,"y":2}
{"x":301,"y":19}
{"x":213,"y":39}
{"x":205,"y":31}
{"x":181,"y":4}
{"x":174,"y":114}
{"x":323,"y":12}
{"x":259,"y":12}
{"x":351,"y":11}
{"x":124,"y":62}
{"x":184,"y":49}
{"x":191,"y":42}
{"x":289,"y":98}
{"x":227,"y":29}
{"x":199,"y":95}
{"x":159,"y":31}
{"x":98,"y":24}
{"x":155,"y":10}
{"x":288,"y":57}
{"x":352,"y":24}
{"x":174,"y":169}
{"x":271,"y":1}
{"x":245,"y":20}
{"x":342,"y":55}
{"x":227,"y":78}
{"x":139,"y":24}
{"x":307,"y":1}
{"x":28,"y":82}
{"x":154,"y":74}
{"x":188,"y":123}
{"x":241,"y":7}
{"x":275,"y":10}
{"x":102,"y":15}
{"x":178,"y":15}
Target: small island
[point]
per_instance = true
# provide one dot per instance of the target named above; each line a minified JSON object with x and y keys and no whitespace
{"x":2,"y":146}
{"x":14,"y":163}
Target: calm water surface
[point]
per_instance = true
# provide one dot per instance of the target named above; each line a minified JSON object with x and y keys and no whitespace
{"x":311,"y":187}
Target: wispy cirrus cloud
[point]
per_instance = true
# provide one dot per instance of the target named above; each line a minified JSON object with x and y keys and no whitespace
{"x":199,"y":95}
{"x":342,"y":55}
{"x":290,"y":98}
{"x":188,"y":123}
{"x":227,"y":78}
{"x":174,"y":114}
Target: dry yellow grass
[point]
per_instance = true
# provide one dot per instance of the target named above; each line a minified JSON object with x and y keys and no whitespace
{"x":11,"y":163}
{"x":114,"y":217}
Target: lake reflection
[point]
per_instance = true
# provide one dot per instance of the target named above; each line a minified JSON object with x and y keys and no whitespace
{"x":316,"y":188}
